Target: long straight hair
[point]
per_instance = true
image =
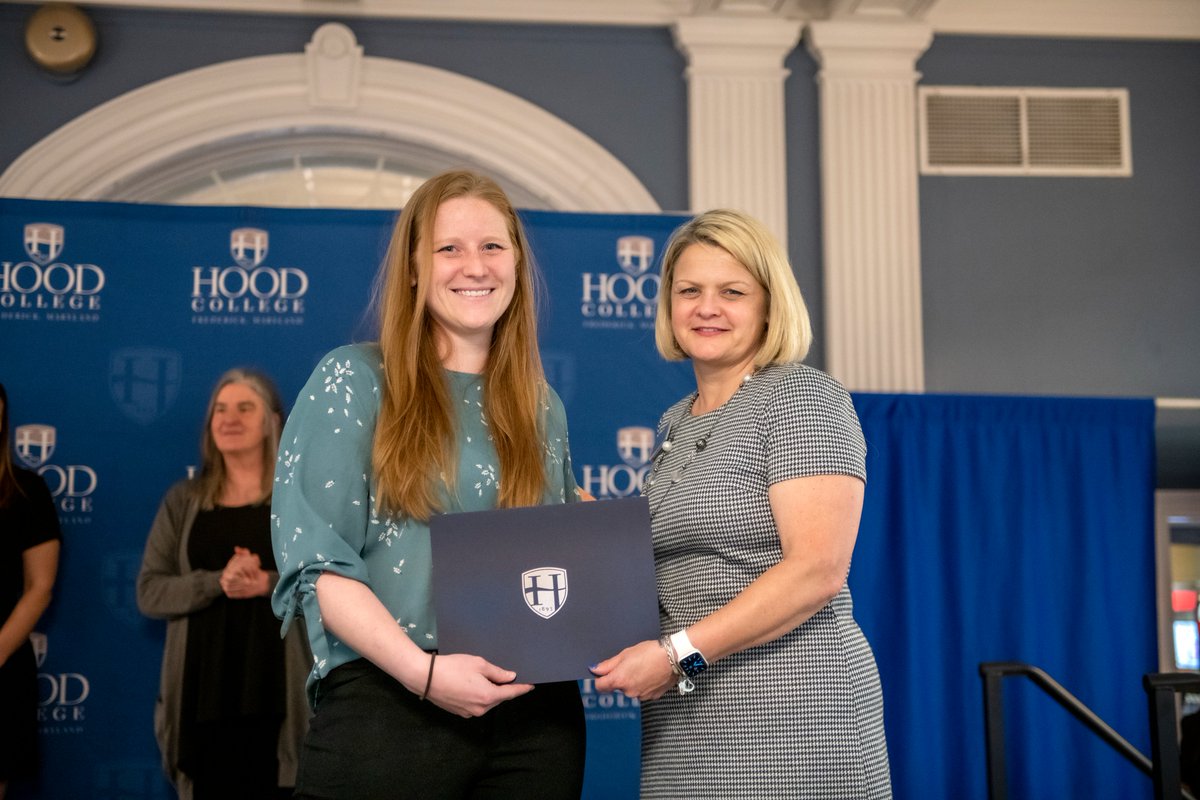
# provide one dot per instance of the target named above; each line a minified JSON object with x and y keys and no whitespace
{"x":414,"y":454}
{"x":9,"y":487}
{"x":211,"y":480}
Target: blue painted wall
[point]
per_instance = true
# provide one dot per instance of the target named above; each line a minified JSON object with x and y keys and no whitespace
{"x":801,"y":103}
{"x":1070,"y":285}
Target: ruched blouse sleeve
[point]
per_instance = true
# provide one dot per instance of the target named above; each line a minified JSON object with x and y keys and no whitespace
{"x":322,"y":503}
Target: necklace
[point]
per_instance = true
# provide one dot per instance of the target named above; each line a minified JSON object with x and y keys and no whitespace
{"x":701,"y":443}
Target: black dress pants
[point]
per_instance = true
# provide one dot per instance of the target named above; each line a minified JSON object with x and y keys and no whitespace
{"x":372,"y":738}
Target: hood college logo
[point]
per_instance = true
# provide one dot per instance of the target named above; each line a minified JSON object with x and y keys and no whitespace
{"x":624,"y":300}
{"x":248,"y":246}
{"x":248,"y":291}
{"x":635,"y":444}
{"x":35,"y":444}
{"x":544,"y":590}
{"x":635,"y":254}
{"x":42,"y":284}
{"x":43,"y":241}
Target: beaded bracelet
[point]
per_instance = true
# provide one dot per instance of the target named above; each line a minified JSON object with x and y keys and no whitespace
{"x":429,"y":680}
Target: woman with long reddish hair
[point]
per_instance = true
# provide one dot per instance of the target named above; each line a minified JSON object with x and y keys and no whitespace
{"x":448,"y":411}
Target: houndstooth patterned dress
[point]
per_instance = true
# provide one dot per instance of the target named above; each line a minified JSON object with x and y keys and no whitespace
{"x":801,"y":716}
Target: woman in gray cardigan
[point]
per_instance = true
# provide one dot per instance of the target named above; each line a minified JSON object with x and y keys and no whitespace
{"x":231,"y":710}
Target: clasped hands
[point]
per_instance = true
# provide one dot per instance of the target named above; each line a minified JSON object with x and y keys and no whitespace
{"x":244,"y":577}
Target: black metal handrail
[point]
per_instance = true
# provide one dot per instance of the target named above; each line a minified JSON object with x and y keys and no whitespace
{"x":1164,"y":769}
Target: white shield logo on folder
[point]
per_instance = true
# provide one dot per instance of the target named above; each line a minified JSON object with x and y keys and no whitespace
{"x":544,"y":590}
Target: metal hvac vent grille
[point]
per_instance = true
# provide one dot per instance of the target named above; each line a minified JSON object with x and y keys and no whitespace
{"x":974,"y":131}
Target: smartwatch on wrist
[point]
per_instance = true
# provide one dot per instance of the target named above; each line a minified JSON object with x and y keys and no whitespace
{"x":690,"y":660}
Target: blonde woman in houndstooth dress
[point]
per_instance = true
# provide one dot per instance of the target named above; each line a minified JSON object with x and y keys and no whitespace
{"x":762,"y":685}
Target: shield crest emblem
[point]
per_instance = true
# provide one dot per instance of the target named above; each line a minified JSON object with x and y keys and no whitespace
{"x":44,"y":241}
{"x":40,"y":645}
{"x":635,"y":444}
{"x":35,"y":444}
{"x":248,"y":246}
{"x":144,"y":381}
{"x":544,"y":590}
{"x":635,"y":253}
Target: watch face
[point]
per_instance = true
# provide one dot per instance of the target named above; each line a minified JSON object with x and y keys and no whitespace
{"x":693,"y":664}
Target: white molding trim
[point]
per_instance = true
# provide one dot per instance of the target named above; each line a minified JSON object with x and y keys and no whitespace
{"x":1106,"y":19}
{"x":879,"y":10}
{"x":173,"y":118}
{"x":568,"y":12}
{"x":1101,"y":19}
{"x":870,"y":215}
{"x":736,"y":122}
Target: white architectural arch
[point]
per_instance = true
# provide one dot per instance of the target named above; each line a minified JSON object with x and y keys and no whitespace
{"x":170,"y":129}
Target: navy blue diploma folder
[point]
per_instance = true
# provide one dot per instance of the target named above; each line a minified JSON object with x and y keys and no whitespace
{"x":546,"y":591}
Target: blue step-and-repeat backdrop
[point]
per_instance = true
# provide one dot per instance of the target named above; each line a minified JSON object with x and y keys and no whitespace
{"x":994,"y":529}
{"x":115,"y":321}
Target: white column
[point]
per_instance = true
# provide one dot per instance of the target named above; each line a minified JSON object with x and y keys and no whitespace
{"x":736,"y":123}
{"x":871,"y":222}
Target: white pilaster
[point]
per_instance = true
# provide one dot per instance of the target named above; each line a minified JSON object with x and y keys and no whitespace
{"x":871,"y":223}
{"x":736,"y":125}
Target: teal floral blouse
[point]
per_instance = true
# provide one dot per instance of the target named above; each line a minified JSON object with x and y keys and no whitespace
{"x":323,"y":512}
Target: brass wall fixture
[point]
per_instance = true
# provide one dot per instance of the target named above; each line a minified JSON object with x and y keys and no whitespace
{"x":60,"y":38}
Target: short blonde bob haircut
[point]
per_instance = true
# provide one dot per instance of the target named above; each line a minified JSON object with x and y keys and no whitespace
{"x":788,"y":333}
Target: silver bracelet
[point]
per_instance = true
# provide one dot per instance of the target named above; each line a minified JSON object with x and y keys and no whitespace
{"x":685,"y":683}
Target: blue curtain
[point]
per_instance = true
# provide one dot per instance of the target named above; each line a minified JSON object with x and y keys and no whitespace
{"x":1008,"y":529}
